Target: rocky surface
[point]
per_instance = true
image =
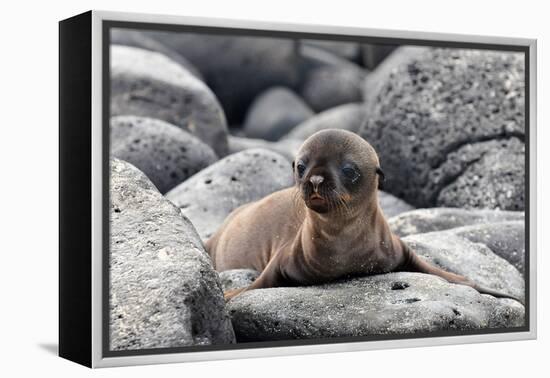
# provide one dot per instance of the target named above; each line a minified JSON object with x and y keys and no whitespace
{"x":437,"y":219}
{"x":505,"y":239}
{"x":286,"y":147}
{"x":473,"y":260}
{"x":333,"y":85}
{"x":237,"y":69}
{"x":209,"y":196}
{"x":349,"y":117}
{"x":149,"y":84}
{"x":164,"y":291}
{"x":391,"y":205}
{"x":138,"y":38}
{"x":393,"y":303}
{"x":237,"y":278}
{"x":477,"y":98}
{"x":274,"y":113}
{"x":167,"y":154}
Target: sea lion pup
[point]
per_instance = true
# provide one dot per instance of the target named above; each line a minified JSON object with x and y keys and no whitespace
{"x":328,"y":226}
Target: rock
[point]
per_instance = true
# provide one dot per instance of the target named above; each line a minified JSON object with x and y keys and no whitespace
{"x":436,"y":104}
{"x":505,"y":239}
{"x":438,"y":219}
{"x":237,"y":278}
{"x":347,"y":50}
{"x":137,"y":38}
{"x":286,"y":147}
{"x":393,"y":303}
{"x":349,"y":117}
{"x":473,"y":260}
{"x":148,"y":84}
{"x":164,"y":291}
{"x":486,"y":174}
{"x":274,"y":113}
{"x":167,"y":154}
{"x":391,"y":205}
{"x":373,"y":54}
{"x":237,"y":68}
{"x":330,"y":86}
{"x":209,"y":196}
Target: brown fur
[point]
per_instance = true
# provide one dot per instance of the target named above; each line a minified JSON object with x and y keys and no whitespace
{"x":293,"y":240}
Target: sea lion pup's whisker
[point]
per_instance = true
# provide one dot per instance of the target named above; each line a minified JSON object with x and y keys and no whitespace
{"x":287,"y":250}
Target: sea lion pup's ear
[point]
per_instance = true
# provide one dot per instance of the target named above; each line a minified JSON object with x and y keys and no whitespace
{"x":293,"y":165}
{"x":381,"y":177}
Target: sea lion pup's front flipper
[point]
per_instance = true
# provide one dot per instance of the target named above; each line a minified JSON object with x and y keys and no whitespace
{"x":414,"y":263}
{"x":270,"y":277}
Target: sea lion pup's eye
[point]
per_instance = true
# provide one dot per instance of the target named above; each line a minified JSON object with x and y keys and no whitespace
{"x":300,"y":168}
{"x":350,"y":172}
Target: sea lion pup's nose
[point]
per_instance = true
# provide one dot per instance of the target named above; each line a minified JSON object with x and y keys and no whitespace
{"x":316,"y":180}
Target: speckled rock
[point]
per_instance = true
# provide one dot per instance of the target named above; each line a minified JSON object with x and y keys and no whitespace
{"x":505,"y":239}
{"x":237,"y":278}
{"x":286,"y":147}
{"x":274,"y":113}
{"x":391,"y":205}
{"x":437,"y":219}
{"x":209,"y":196}
{"x":473,"y":260}
{"x":149,"y":84}
{"x":237,"y":68}
{"x":333,"y":85}
{"x":137,"y":38}
{"x":349,"y":117}
{"x":167,"y":154}
{"x":434,"y":105}
{"x":346,"y":50}
{"x":164,"y":291}
{"x":393,"y":303}
{"x":373,"y":54}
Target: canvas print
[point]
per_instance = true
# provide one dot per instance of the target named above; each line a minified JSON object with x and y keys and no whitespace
{"x":278,"y":190}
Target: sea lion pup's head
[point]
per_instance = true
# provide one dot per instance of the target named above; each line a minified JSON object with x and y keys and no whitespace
{"x":336,"y":171}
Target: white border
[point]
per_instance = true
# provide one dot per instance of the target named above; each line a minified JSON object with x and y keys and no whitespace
{"x":99,"y":361}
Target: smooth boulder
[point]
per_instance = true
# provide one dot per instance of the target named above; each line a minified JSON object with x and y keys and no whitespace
{"x":391,"y":205}
{"x":164,"y":292}
{"x":237,"y":68}
{"x":348,"y":117}
{"x":428,"y":105}
{"x":167,"y":154}
{"x":437,"y":219}
{"x":274,"y":113}
{"x":149,"y":84}
{"x":286,"y":147}
{"x":394,"y":303}
{"x":209,"y":196}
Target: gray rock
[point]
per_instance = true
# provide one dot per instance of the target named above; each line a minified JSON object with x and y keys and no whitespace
{"x":237,"y":68}
{"x":373,"y":54}
{"x":148,"y":84}
{"x":391,"y":205}
{"x":164,"y":291}
{"x":286,"y":147}
{"x":343,"y":49}
{"x":167,"y":154}
{"x":209,"y":196}
{"x":505,"y":239}
{"x":349,"y":117}
{"x":394,"y":303}
{"x":237,"y":278}
{"x":486,"y":174}
{"x":438,"y":219}
{"x":435,"y":102}
{"x":274,"y":113}
{"x":473,"y":260}
{"x":330,"y":86}
{"x":137,"y":38}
